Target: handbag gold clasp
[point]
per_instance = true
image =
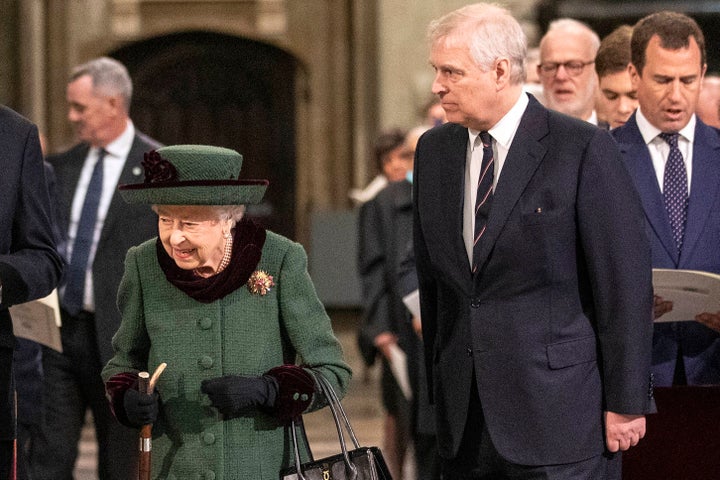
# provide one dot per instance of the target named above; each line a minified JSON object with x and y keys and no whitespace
{"x":326,"y":474}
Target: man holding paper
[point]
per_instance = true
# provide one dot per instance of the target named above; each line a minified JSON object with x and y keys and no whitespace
{"x":674,"y":160}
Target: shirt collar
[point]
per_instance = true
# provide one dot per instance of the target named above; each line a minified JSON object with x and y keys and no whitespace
{"x":120,"y":147}
{"x":650,"y":132}
{"x":593,"y":118}
{"x":504,"y":130}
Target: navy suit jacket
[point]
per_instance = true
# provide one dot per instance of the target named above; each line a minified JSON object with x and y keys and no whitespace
{"x":30,"y":266}
{"x":556,"y":325}
{"x":125,"y":226}
{"x":700,"y":250}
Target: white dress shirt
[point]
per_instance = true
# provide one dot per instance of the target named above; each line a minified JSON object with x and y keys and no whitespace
{"x":117,"y":152}
{"x":502,"y":133}
{"x":659,"y":149}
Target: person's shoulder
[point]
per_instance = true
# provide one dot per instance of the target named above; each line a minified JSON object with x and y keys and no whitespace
{"x":276,"y":241}
{"x":443,"y":131}
{"x":565,"y":122}
{"x":77,"y":151}
{"x":144,"y":253}
{"x":146,"y":141}
{"x":394,"y":192}
{"x":707,"y":132}
{"x":12,"y":118}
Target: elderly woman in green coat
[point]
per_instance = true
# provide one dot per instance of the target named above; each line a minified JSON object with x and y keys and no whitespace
{"x":231,"y":309}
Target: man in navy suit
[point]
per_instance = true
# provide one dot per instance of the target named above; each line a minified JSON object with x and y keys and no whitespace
{"x":98,"y":96}
{"x":667,"y":69}
{"x":30,"y":267}
{"x":538,"y":335}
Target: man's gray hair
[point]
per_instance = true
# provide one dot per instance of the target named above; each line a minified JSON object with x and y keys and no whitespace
{"x":489,"y":31}
{"x":575,"y":26}
{"x":109,"y":77}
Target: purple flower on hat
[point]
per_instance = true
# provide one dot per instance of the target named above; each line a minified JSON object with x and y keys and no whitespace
{"x":157,"y":169}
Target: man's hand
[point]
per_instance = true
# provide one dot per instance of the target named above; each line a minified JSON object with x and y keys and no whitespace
{"x":383,"y":341}
{"x":623,"y":431}
{"x":661,"y":306}
{"x":710,"y":320}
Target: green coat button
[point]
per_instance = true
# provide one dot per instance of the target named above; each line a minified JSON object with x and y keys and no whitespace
{"x":209,"y":475}
{"x":205,"y":361}
{"x":208,"y":438}
{"x":206,"y":323}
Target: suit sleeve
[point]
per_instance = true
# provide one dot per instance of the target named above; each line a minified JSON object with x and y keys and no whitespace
{"x":308,"y":325}
{"x":617,"y":255}
{"x":372,"y":266}
{"x":425,"y":278}
{"x":31,"y":267}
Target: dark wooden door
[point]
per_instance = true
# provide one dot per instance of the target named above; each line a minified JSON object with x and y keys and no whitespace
{"x":214,"y":89}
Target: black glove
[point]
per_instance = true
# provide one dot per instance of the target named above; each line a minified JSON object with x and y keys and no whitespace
{"x":140,"y":408}
{"x":233,"y":393}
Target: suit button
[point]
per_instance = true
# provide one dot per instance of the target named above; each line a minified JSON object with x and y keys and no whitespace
{"x":475,"y":303}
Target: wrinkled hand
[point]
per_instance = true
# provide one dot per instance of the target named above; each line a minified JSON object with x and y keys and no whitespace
{"x":623,"y":431}
{"x":233,"y":393}
{"x":710,"y":320}
{"x":383,"y":342}
{"x":660,"y":306}
{"x":140,"y":408}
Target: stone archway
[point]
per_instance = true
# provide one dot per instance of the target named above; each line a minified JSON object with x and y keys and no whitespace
{"x":216,"y":89}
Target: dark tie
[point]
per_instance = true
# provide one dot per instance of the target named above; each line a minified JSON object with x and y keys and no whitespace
{"x":675,"y":188}
{"x":484,"y":195}
{"x":75,"y":284}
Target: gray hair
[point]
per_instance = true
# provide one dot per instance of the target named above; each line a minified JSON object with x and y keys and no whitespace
{"x":230,"y":212}
{"x":489,"y":31}
{"x":574,"y":26}
{"x":109,"y":77}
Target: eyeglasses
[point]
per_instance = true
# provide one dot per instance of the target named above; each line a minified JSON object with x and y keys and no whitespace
{"x":573,"y":67}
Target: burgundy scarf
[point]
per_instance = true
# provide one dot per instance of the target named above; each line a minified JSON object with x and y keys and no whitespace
{"x":248,"y":241}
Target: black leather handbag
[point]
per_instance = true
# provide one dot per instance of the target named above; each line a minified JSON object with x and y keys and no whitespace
{"x":360,"y":463}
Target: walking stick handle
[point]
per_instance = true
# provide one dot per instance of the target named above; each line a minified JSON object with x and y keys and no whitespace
{"x":146,"y":385}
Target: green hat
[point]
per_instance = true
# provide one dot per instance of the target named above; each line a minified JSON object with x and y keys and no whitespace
{"x":193,"y":175}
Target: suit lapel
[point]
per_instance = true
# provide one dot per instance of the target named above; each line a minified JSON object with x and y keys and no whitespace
{"x":525,"y":154}
{"x":448,"y":167}
{"x":705,"y":184}
{"x":132,"y":172}
{"x":639,"y":164}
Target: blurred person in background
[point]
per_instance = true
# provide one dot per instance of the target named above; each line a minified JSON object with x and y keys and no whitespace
{"x":384,"y":229}
{"x":567,"y":52}
{"x":708,"y":106}
{"x":617,"y":98}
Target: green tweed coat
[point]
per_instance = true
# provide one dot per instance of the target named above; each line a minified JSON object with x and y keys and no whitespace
{"x":242,"y":333}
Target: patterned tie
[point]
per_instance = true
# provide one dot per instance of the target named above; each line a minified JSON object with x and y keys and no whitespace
{"x":675,"y":188}
{"x":73,"y":300}
{"x":484,"y":195}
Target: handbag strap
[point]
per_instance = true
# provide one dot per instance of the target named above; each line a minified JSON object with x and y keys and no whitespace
{"x":334,"y":400}
{"x":337,"y":412}
{"x":298,"y":466}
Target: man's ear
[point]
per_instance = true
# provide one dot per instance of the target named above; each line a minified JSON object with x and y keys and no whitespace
{"x":502,"y":73}
{"x":634,"y":76}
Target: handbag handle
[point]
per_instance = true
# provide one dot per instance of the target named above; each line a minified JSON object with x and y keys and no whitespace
{"x":337,"y":411}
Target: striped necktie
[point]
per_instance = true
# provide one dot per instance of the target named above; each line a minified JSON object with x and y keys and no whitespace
{"x":484,"y":195}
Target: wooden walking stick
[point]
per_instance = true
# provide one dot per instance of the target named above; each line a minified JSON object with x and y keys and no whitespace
{"x":146,"y":385}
